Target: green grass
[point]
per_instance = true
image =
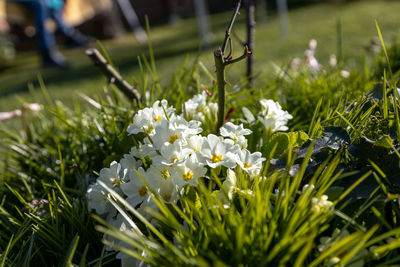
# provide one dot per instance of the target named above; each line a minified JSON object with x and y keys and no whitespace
{"x":271,"y":220}
{"x":173,"y":43}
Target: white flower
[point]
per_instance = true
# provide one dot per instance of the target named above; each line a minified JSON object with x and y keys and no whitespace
{"x":344,"y":73}
{"x":321,"y":204}
{"x":195,"y":104}
{"x":195,"y":142}
{"x":228,"y":187}
{"x":146,"y":119}
{"x":167,"y":132}
{"x":191,"y":127}
{"x":112,"y":176}
{"x":311,"y":61}
{"x":118,"y":222}
{"x":147,"y":150}
{"x":250,"y":162}
{"x":97,"y":195}
{"x":168,"y":191}
{"x":313,"y":44}
{"x":333,"y":61}
{"x":129,"y":261}
{"x":273,"y":117}
{"x":97,"y":199}
{"x":135,"y":189}
{"x":215,"y":152}
{"x":146,"y":207}
{"x":172,"y":153}
{"x":129,"y":164}
{"x":35,"y":107}
{"x":211,"y":108}
{"x":236,"y":133}
{"x":197,"y":108}
{"x":188,"y":172}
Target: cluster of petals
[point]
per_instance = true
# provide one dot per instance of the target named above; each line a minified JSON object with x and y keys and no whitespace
{"x":321,"y":204}
{"x":273,"y":117}
{"x":172,"y":155}
{"x":198,"y":109}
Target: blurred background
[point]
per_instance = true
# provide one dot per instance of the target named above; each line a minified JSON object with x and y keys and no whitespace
{"x":179,"y":30}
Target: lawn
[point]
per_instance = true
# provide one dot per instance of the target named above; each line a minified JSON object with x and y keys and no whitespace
{"x":172,"y":44}
{"x":301,"y":170}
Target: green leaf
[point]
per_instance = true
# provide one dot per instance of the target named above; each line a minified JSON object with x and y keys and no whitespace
{"x":298,"y":138}
{"x":384,"y":141}
{"x":281,"y":141}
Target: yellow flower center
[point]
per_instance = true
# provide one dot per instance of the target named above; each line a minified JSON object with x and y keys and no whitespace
{"x":216,"y":158}
{"x":167,"y":197}
{"x":165,"y":174}
{"x":113,"y":180}
{"x":187,"y":176}
{"x":173,"y":138}
{"x":273,"y":116}
{"x":158,"y":118}
{"x":173,"y":159}
{"x":143,"y":191}
{"x":247,"y":165}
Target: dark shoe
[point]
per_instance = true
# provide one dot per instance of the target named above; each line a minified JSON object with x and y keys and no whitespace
{"x":76,"y":39}
{"x":52,"y":58}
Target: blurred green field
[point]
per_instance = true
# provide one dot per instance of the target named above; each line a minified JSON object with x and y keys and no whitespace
{"x":172,"y":44}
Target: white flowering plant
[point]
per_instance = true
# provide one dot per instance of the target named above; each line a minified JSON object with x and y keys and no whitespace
{"x":176,"y":191}
{"x":171,"y":157}
{"x":177,"y":194}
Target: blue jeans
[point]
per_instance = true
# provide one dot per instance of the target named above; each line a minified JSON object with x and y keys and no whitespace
{"x":41,"y":12}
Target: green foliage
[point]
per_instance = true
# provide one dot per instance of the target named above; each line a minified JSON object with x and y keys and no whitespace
{"x":52,"y":166}
{"x":349,"y":155}
{"x":300,"y":92}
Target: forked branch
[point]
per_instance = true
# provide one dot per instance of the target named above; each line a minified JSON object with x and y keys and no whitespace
{"x":221,"y":61}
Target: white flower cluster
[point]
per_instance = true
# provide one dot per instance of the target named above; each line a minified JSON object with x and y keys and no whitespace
{"x":273,"y":117}
{"x":321,"y":204}
{"x":198,"y":109}
{"x":172,"y":155}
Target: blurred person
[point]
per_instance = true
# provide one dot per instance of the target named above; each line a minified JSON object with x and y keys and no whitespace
{"x":43,"y":10}
{"x":7,"y":50}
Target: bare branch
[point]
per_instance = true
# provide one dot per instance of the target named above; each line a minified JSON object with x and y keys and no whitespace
{"x":250,"y":23}
{"x":112,"y":75}
{"x":220,"y":68}
{"x":228,"y":31}
{"x":246,"y":54}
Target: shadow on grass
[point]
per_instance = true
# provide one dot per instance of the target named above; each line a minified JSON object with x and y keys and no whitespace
{"x":124,"y":56}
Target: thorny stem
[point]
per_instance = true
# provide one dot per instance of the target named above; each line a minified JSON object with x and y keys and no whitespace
{"x":221,"y":61}
{"x":246,"y":54}
{"x":113,"y":76}
{"x":220,"y":67}
{"x":250,"y":23}
{"x":228,"y":31}
{"x":220,"y":64}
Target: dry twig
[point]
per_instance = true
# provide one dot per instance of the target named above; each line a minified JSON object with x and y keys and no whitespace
{"x":112,"y":75}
